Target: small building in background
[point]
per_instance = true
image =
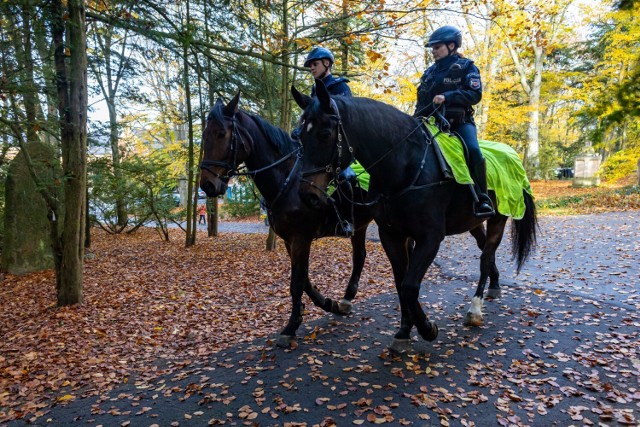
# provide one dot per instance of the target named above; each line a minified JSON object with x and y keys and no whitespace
{"x":586,"y":167}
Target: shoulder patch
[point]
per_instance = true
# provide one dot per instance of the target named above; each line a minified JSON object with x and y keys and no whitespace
{"x":474,"y":83}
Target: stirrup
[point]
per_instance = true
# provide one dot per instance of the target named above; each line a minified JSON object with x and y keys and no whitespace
{"x":483,"y":208}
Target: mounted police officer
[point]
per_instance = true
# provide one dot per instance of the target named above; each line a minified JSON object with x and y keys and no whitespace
{"x":452,"y":86}
{"x":319,"y":61}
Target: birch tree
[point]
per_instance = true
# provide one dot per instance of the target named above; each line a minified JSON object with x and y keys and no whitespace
{"x":531,"y":31}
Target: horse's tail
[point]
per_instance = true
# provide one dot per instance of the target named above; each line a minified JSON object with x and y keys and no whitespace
{"x":523,"y":232}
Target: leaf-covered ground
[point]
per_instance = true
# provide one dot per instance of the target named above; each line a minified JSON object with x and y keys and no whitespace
{"x":559,"y":197}
{"x":148,"y":303}
{"x":153,"y":307}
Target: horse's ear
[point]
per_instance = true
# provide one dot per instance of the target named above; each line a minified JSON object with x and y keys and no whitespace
{"x":302,"y":100}
{"x":232,"y":107}
{"x":323,"y":96}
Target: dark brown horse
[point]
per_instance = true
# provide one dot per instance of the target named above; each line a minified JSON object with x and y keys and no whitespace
{"x":232,"y":137}
{"x":415,"y":202}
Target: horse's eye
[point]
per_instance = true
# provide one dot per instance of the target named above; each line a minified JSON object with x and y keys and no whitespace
{"x":325,"y":134}
{"x":221,"y":134}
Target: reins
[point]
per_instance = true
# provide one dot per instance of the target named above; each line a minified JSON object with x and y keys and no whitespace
{"x":336,"y":171}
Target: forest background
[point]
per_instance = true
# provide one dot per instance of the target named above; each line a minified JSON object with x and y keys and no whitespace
{"x":120,"y":89}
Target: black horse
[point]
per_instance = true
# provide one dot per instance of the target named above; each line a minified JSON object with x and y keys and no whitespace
{"x":232,"y":137}
{"x":414,"y":200}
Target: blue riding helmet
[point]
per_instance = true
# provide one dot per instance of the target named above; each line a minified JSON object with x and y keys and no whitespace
{"x":319,"y":53}
{"x":446,"y":34}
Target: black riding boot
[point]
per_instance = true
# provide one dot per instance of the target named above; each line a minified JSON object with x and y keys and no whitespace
{"x":482,"y":207}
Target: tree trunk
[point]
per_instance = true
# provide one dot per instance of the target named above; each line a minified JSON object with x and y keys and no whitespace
{"x":109,"y":91}
{"x":492,"y":60}
{"x":532,"y":159}
{"x":72,"y":107}
{"x":344,"y":48}
{"x":272,"y":239}
{"x":191,"y":218}
{"x":212,"y":216}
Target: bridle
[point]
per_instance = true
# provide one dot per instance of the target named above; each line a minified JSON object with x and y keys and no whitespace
{"x":336,"y":155}
{"x":233,"y":169}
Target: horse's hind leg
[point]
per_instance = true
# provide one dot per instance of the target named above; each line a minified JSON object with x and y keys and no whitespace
{"x":495,"y":232}
{"x":358,"y":245}
{"x":488,"y":269}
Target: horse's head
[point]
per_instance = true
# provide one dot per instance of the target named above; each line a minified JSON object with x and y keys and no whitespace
{"x":224,"y":149}
{"x":326,"y":151}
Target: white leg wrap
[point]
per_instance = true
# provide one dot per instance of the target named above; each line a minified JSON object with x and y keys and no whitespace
{"x":476,"y":306}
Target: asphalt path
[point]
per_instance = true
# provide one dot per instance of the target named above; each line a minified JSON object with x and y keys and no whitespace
{"x":560,"y":348}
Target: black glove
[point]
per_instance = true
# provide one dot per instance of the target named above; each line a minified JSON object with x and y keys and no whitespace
{"x":295,"y":133}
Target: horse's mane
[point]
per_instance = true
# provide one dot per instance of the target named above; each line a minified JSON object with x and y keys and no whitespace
{"x":352,"y":109}
{"x":276,"y":136}
{"x":280,"y":139}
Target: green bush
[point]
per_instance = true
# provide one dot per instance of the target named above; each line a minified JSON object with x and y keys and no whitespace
{"x":620,"y":165}
{"x":240,"y":209}
{"x":242,"y":200}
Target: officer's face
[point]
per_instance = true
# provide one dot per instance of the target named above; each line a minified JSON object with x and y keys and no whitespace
{"x":318,"y":68}
{"x":439,"y":51}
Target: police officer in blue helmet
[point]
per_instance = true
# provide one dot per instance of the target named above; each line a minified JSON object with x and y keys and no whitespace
{"x":450,"y":87}
{"x":319,"y":61}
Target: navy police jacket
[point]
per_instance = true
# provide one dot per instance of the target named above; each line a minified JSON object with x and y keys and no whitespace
{"x":335,"y":86}
{"x":458,"y":79}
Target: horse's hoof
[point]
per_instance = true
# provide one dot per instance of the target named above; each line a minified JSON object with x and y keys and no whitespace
{"x":473,"y":319}
{"x":331,"y":306}
{"x":345,"y":306}
{"x":400,"y":346}
{"x":285,"y":341}
{"x":429,"y":331}
{"x":494,"y":293}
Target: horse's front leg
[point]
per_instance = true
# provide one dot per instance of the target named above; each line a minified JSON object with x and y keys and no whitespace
{"x":299,"y":250}
{"x":397,"y":249}
{"x":319,"y":300}
{"x":423,"y":254}
{"x":299,"y":254}
{"x":488,"y":269}
{"x":359,"y":254}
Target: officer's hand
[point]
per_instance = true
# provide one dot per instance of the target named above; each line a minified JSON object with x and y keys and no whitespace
{"x":438,"y":99}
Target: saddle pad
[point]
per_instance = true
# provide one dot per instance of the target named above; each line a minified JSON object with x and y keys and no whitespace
{"x":505,"y":173}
